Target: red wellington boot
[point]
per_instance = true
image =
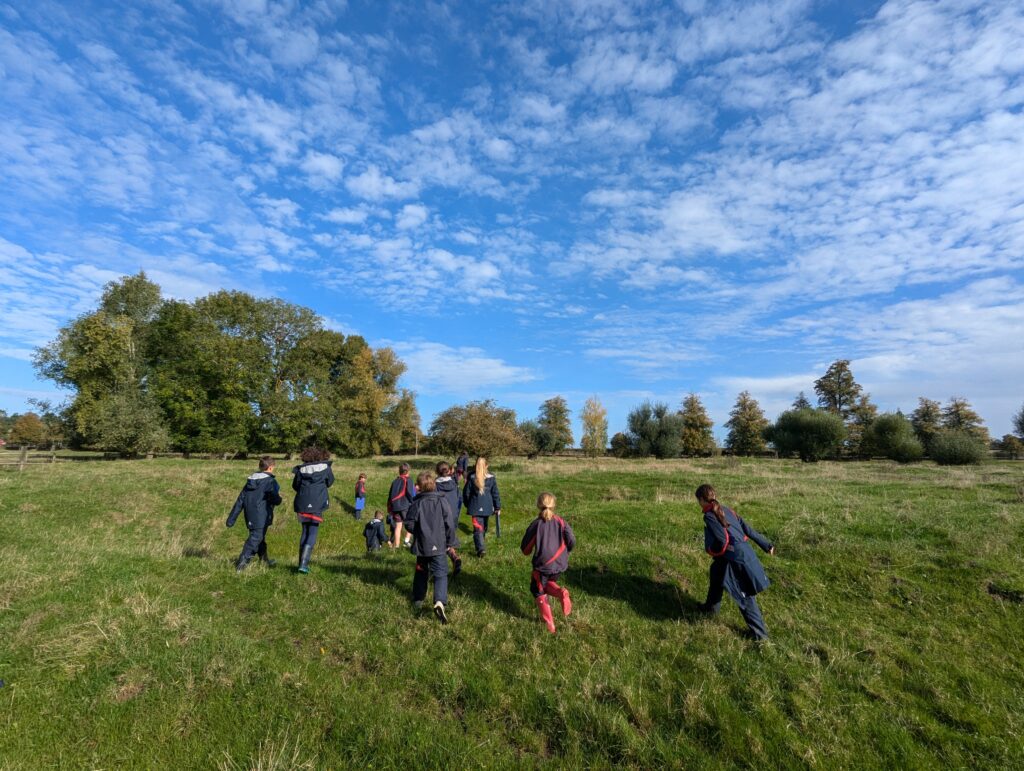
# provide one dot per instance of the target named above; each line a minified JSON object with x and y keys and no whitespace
{"x":562,"y":594}
{"x":545,"y":613}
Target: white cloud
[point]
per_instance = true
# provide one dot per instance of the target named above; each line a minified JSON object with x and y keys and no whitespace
{"x":436,"y":368}
{"x":412,"y":216}
{"x":373,"y":185}
{"x":351,"y":216}
{"x":322,"y":166}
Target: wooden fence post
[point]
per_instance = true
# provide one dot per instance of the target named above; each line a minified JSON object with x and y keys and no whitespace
{"x":23,"y":460}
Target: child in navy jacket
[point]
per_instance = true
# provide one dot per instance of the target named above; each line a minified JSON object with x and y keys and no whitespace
{"x":429,"y":520}
{"x":374,"y":532}
{"x":734,"y":565}
{"x":448,"y":486}
{"x":482,"y":499}
{"x":400,"y":498}
{"x":258,"y":498}
{"x":550,"y":539}
{"x":360,"y":503}
{"x":310,"y":483}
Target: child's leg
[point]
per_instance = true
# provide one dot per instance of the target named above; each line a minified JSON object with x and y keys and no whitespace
{"x":398,"y":533}
{"x":419,"y":580}
{"x":537,"y":590}
{"x":479,"y":528}
{"x":439,"y":571}
{"x":456,"y":560}
{"x":716,"y":582}
{"x":249,"y":548}
{"x":752,"y":615}
{"x":552,"y":588}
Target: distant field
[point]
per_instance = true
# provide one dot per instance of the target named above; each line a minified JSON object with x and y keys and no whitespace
{"x":897,"y":612}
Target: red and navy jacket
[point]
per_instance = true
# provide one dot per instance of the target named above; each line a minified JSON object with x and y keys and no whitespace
{"x":730,"y":544}
{"x":550,"y":541}
{"x":258,"y":498}
{"x":310,"y":484}
{"x":401,"y":495}
{"x":481,"y":504}
{"x":360,"y":489}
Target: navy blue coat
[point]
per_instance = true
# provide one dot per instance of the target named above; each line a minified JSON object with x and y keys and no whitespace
{"x":401,"y":495}
{"x":310,"y":484}
{"x":550,"y":543}
{"x":429,"y":520}
{"x":448,"y":487}
{"x":744,"y":574}
{"x":481,"y":504}
{"x":258,"y":498}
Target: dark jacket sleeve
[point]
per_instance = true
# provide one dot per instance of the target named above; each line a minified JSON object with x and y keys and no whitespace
{"x":330,"y":475}
{"x":235,"y":510}
{"x":446,"y":515}
{"x":754,"y":536}
{"x":296,"y":480}
{"x":466,"y":493}
{"x":495,"y":495}
{"x":570,"y":537}
{"x":716,"y":537}
{"x":529,"y":537}
{"x":410,"y":490}
{"x":410,"y":517}
{"x":274,"y":494}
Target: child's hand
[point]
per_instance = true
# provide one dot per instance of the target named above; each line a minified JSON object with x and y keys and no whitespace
{"x":771,"y":551}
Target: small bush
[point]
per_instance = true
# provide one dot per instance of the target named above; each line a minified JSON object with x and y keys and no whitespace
{"x":811,"y":434}
{"x":892,"y":436}
{"x":957,"y":448}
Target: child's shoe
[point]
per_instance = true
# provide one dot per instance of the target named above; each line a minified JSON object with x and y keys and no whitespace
{"x":440,"y":613}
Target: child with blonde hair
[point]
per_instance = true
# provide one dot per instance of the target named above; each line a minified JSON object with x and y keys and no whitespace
{"x":550,"y":539}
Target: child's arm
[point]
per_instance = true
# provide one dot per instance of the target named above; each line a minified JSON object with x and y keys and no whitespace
{"x":274,"y":494}
{"x":296,"y":481}
{"x":449,"y":533}
{"x":755,"y":536}
{"x":529,"y":538}
{"x":466,"y":492}
{"x":235,"y":511}
{"x":716,"y":537}
{"x":330,"y":474}
{"x":570,"y":537}
{"x":496,"y":496}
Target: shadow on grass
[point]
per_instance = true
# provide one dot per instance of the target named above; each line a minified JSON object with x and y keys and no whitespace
{"x":650,"y":598}
{"x":196,"y":552}
{"x":378,"y":570}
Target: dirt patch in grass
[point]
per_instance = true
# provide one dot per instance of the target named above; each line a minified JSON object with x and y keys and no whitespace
{"x":1007,"y":593}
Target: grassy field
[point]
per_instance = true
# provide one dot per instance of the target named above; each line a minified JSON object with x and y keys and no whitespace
{"x":897,"y":612}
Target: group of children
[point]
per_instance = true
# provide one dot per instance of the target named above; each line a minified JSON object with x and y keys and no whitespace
{"x":428,"y":513}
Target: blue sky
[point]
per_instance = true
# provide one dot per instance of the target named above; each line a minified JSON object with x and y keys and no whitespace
{"x":615,"y":197}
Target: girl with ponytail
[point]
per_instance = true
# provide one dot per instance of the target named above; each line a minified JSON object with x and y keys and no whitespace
{"x":735,"y":567}
{"x":550,"y":539}
{"x":481,"y":499}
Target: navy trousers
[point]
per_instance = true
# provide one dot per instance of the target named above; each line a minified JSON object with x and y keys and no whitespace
{"x":747,"y":603}
{"x":438,"y":568}
{"x":479,"y":531}
{"x":256,"y":543}
{"x":308,"y":538}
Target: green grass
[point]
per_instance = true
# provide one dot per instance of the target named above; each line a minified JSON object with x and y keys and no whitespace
{"x":128,"y":641}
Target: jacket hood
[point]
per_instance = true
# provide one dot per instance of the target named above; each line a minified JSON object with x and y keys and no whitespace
{"x":257,"y":480}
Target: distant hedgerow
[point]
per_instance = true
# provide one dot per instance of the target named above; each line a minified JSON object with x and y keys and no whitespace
{"x":957,"y":448}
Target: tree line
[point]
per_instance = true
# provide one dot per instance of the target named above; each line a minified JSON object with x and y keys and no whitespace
{"x":231,"y":373}
{"x":228,"y":373}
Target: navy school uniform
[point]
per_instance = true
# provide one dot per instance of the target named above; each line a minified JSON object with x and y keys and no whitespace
{"x":400,"y":498}
{"x":310,"y":483}
{"x":550,"y":543}
{"x":374,"y":534}
{"x":429,"y":520}
{"x":735,"y":567}
{"x":480,"y":506}
{"x":449,"y":487}
{"x":260,"y":494}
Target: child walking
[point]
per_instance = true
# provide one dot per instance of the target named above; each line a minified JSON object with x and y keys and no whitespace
{"x":260,"y":494}
{"x":550,"y":539}
{"x":734,"y":565}
{"x":429,"y":520}
{"x":482,"y":499}
{"x":310,"y":483}
{"x":374,"y":532}
{"x":448,"y":486}
{"x":360,"y":503}
{"x":400,"y":498}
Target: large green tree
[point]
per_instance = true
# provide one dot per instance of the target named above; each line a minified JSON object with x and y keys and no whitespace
{"x":838,"y":392}
{"x":28,"y":431}
{"x":811,"y":434}
{"x":958,"y":415}
{"x":554,"y":430}
{"x":1018,"y":422}
{"x":696,"y":438}
{"x":479,"y":428}
{"x":652,"y":429}
{"x":746,"y":425}
{"x":927,"y":421}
